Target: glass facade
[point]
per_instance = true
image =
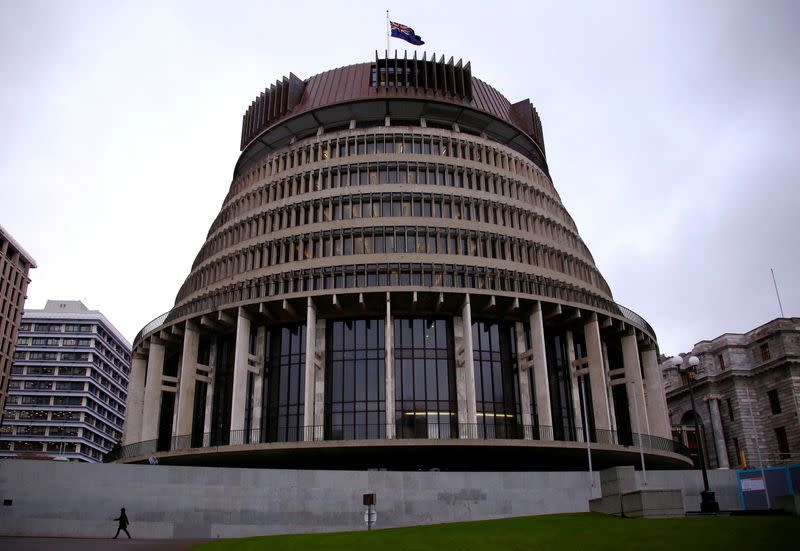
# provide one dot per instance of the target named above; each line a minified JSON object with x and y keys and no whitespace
{"x":425,"y":393}
{"x":560,"y":386}
{"x":284,"y":385}
{"x":496,"y":385}
{"x":355,"y":379}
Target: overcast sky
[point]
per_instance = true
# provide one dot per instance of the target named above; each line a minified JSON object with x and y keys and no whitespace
{"x":672,"y":132}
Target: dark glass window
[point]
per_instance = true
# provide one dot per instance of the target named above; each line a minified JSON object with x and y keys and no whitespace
{"x":223,"y":392}
{"x":355,"y":380}
{"x":284,"y":385}
{"x":765,"y":353}
{"x":496,"y":387}
{"x":425,"y":395}
{"x":774,"y":401}
{"x":199,"y":413}
{"x":558,"y":370}
{"x":165,"y":421}
{"x":783,"y":443}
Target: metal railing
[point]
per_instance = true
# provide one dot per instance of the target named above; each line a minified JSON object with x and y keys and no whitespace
{"x":444,"y":430}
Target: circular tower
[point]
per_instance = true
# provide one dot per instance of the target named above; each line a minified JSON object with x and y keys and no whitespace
{"x":393,"y":282}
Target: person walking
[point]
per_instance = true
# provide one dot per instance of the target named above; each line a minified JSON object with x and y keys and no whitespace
{"x":123,"y":523}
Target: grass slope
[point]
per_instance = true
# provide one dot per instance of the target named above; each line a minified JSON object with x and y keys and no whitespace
{"x":542,"y":533}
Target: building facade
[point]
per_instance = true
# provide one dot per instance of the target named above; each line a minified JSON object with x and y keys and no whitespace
{"x":747,"y":394}
{"x":392,"y":278}
{"x":68,"y":385}
{"x":15,"y":265}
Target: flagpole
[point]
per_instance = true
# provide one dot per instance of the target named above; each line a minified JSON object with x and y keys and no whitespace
{"x":388,"y":32}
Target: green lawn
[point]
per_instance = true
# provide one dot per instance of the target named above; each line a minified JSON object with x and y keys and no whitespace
{"x":576,"y":532}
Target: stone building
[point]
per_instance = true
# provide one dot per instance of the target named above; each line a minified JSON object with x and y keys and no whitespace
{"x":15,"y":264}
{"x":68,"y":385}
{"x":393,"y":281}
{"x":747,"y":394}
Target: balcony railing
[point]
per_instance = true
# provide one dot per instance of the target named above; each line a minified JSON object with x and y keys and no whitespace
{"x":445,"y":430}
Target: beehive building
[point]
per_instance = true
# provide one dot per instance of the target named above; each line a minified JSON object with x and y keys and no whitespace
{"x":393,"y":282}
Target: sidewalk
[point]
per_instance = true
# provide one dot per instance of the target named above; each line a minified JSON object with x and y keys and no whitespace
{"x":88,"y":544}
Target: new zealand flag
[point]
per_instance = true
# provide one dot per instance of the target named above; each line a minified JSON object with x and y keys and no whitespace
{"x":405,"y":33}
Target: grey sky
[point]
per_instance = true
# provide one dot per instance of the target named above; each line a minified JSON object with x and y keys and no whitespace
{"x":672,"y":132}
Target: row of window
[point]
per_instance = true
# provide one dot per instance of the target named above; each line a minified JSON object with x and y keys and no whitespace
{"x":390,"y":240}
{"x":50,"y":341}
{"x":53,"y":447}
{"x":381,"y":275}
{"x":379,"y":205}
{"x":371,"y":143}
{"x":395,"y":173}
{"x":56,"y":327}
{"x":53,"y":356}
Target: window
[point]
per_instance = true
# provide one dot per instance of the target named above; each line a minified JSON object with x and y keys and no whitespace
{"x":730,"y":408}
{"x":774,"y":401}
{"x":355,"y":384}
{"x":783,"y":442}
{"x":284,"y":385}
{"x":765,"y":353}
{"x":425,"y":378}
{"x":721,"y":361}
{"x":496,"y":388}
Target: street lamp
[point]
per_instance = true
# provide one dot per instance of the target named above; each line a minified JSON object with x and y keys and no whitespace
{"x":708,"y":503}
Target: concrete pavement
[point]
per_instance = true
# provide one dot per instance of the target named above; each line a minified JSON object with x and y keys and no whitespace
{"x":91,"y":544}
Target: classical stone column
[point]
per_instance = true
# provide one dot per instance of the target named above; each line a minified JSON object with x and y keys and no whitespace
{"x":656,"y":398}
{"x":186,"y":382}
{"x":241,"y":353}
{"x":634,"y":386}
{"x":471,"y":416}
{"x":524,"y":386}
{"x":597,"y":374}
{"x":135,"y":401}
{"x":719,"y":435}
{"x":540,"y":379}
{"x":152,"y":390}
{"x":311,"y":348}
{"x":389,"y":355}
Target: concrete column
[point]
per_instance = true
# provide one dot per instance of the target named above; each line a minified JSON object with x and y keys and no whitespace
{"x":258,"y":387}
{"x":319,"y":382}
{"x":633,"y":384}
{"x":656,"y":398}
{"x":135,"y":401}
{"x":389,"y":354}
{"x":152,"y":390}
{"x":212,"y":363}
{"x":719,"y":435}
{"x":524,"y":386}
{"x":597,"y":374}
{"x":242,"y":349}
{"x":540,"y":379}
{"x":612,"y":414}
{"x":471,"y":417}
{"x":311,"y":348}
{"x":574,"y":382}
{"x":186,"y":382}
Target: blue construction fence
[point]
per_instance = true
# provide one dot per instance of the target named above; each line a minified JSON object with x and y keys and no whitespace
{"x":760,"y":488}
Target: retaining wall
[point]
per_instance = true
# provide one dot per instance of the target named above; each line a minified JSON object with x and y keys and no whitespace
{"x":48,"y":498}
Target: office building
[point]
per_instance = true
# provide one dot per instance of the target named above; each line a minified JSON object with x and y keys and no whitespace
{"x":68,"y":386}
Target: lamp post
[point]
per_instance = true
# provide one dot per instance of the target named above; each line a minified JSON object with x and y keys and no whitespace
{"x":708,"y":502}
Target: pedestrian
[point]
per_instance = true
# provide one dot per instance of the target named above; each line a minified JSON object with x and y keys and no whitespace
{"x":123,"y":523}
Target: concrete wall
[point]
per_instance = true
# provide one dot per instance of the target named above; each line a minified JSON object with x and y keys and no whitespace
{"x":74,"y":499}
